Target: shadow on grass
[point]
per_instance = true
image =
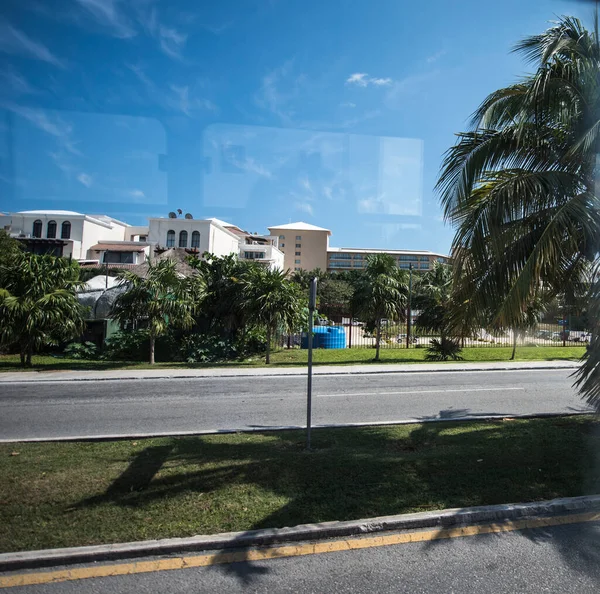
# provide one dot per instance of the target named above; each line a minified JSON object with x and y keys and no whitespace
{"x":579,"y":543}
{"x":363,"y":473}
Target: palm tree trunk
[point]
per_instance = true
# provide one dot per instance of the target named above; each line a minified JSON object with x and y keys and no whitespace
{"x":512,"y":357}
{"x":152,"y":344}
{"x":377,"y":340}
{"x":22,"y":354}
{"x":268,"y":354}
{"x":29,"y":353}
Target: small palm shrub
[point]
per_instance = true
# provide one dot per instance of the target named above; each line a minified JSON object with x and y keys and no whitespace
{"x":443,"y":350}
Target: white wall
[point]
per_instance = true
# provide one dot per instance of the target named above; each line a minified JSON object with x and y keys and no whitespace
{"x":135,"y":231}
{"x":222,"y":242}
{"x":213,"y":239}
{"x":23,"y":223}
{"x":94,"y":233}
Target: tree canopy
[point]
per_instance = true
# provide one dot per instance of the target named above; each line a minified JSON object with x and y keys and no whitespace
{"x":38,"y":303}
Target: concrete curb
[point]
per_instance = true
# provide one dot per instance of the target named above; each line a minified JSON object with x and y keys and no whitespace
{"x":471,"y":419}
{"x":287,"y":372}
{"x":253,"y":538}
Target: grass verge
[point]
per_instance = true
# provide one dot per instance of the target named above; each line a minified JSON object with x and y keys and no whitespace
{"x":69,"y":494}
{"x":292,"y":357}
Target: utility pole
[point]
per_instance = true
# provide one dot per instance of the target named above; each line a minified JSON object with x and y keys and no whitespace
{"x":312,"y":304}
{"x":409,"y":312}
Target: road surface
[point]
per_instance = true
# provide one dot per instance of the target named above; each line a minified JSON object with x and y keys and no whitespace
{"x":550,"y":560}
{"x":125,"y":407}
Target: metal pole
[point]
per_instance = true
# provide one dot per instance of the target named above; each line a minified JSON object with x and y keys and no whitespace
{"x":409,"y":314}
{"x":312,"y":302}
{"x":106,"y":270}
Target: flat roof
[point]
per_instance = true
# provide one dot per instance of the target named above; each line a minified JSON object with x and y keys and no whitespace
{"x":334,"y":250}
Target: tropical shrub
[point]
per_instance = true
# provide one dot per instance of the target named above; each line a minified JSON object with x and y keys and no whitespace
{"x":443,"y":350}
{"x":81,"y":350}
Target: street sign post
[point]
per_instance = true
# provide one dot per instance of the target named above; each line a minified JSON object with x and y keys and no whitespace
{"x":312,"y":304}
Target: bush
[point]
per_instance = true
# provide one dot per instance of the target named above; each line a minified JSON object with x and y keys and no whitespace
{"x":206,"y":348}
{"x":134,"y":345}
{"x":443,"y":350}
{"x":211,"y":348}
{"x":79,"y":350}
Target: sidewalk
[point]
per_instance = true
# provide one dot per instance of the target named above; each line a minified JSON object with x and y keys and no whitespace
{"x":154,"y":374}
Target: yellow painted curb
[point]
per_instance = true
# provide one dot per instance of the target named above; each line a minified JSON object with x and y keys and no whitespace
{"x":278,"y":552}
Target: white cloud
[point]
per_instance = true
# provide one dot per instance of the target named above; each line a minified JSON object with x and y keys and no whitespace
{"x":304,"y":207}
{"x":85,"y":179}
{"x":14,"y":41}
{"x":381,"y":82}
{"x":435,"y":57}
{"x":16,"y":83}
{"x":358,"y":78}
{"x":305,"y":183}
{"x":348,"y":104}
{"x":171,"y":41}
{"x":136,"y":193}
{"x":362,"y":79}
{"x":108,"y":14}
{"x":271,"y":96}
{"x":53,"y":125}
{"x":186,"y":104}
{"x":372,"y":205}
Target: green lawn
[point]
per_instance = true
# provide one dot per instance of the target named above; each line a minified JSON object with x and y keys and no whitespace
{"x":67,"y":494}
{"x":292,"y":357}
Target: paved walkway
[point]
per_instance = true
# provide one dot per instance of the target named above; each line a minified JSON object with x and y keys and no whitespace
{"x":141,"y":374}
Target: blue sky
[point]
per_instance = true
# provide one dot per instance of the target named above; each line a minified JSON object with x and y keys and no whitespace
{"x":259,"y":112}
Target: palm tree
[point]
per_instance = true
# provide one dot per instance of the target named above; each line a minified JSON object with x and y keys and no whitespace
{"x":38,"y":303}
{"x":520,"y":185}
{"x":162,"y":299}
{"x":272,"y":301}
{"x":223,"y":308}
{"x":381,"y":293}
{"x":434,"y":300}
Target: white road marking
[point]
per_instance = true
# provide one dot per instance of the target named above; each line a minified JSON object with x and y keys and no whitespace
{"x":420,"y":392}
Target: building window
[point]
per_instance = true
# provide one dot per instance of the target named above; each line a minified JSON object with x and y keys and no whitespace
{"x":37,"y":228}
{"x":283,"y":245}
{"x":340,"y":257}
{"x":297,"y":268}
{"x":51,"y":230}
{"x":297,"y":253}
{"x":282,"y":237}
{"x":298,"y":237}
{"x":195,"y":239}
{"x":358,"y":256}
{"x":340,"y":264}
{"x":407,"y":258}
{"x":65,"y":230}
{"x":442,"y":260}
{"x":170,"y":238}
{"x":296,"y":261}
{"x":118,"y":257}
{"x":298,"y":245}
{"x":254,"y":255}
{"x":424,"y":265}
{"x":183,"y":239}
{"x":404,"y":265}
{"x":142,"y":238}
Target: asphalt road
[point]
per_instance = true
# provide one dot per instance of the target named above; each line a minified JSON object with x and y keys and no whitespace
{"x":71,"y":409}
{"x":550,"y":560}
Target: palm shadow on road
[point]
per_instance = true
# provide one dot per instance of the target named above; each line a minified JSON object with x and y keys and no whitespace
{"x":269,"y":480}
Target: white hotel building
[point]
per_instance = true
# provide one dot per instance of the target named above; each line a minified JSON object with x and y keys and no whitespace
{"x":97,"y":240}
